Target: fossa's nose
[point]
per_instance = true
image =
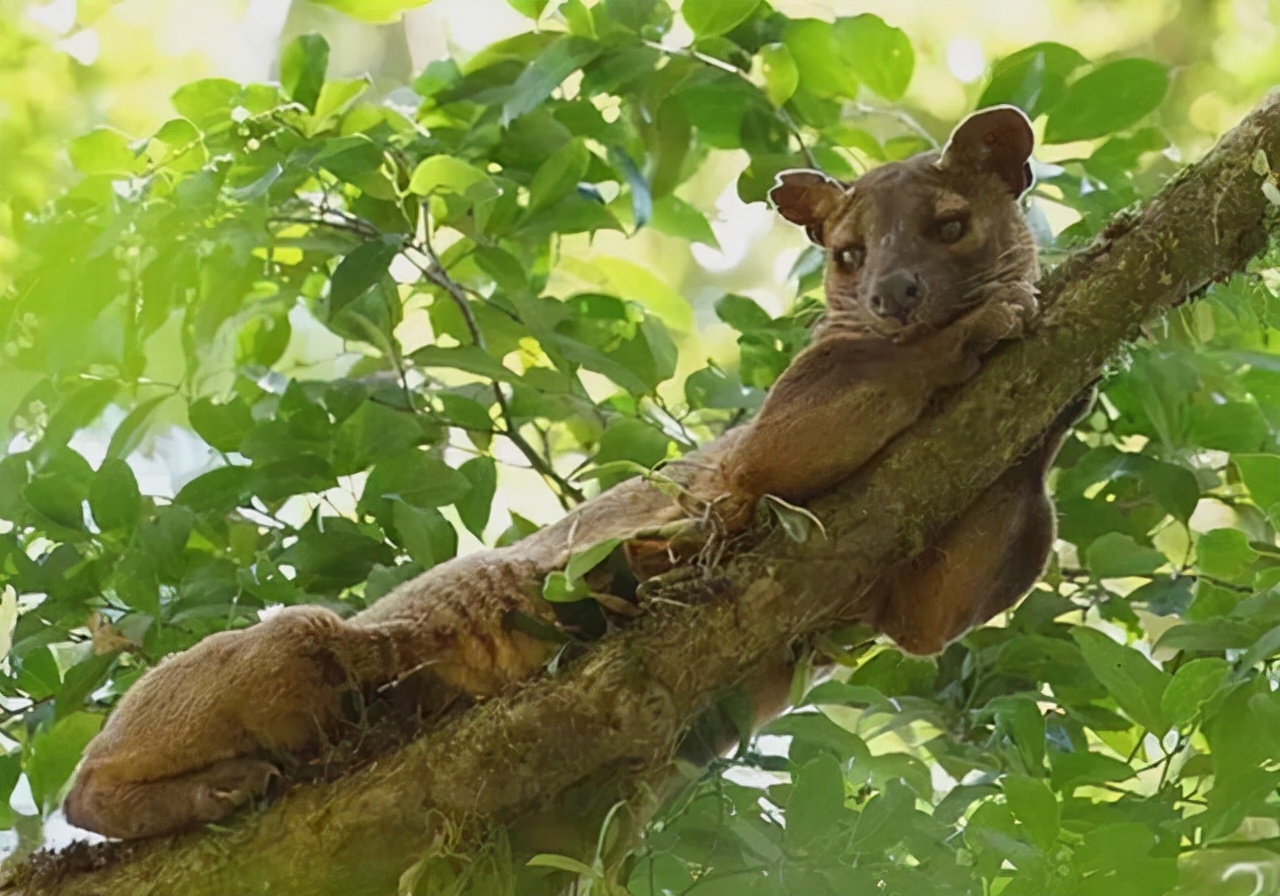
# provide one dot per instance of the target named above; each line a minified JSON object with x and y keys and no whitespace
{"x":896,"y":295}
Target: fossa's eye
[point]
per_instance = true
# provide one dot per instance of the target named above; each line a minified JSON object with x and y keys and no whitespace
{"x":850,"y":257}
{"x":950,"y":231}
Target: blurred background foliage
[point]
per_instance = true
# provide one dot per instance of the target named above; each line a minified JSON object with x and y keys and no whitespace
{"x":297,"y":304}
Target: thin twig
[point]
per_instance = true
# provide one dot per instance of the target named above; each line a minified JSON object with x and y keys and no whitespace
{"x":566,"y":493}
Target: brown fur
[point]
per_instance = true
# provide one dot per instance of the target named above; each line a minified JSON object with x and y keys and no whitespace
{"x":911,"y":312}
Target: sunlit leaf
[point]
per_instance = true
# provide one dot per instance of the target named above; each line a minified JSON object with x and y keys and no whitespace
{"x":360,"y":269}
{"x":711,"y":17}
{"x":1033,"y":78}
{"x":302,"y":66}
{"x":879,"y":55}
{"x":372,"y":10}
{"x":52,"y":755}
{"x":1133,"y":680}
{"x":547,"y":72}
{"x":103,"y":151}
{"x":1108,"y":99}
{"x":781,"y":74}
{"x":1191,"y":686}
{"x":558,"y":175}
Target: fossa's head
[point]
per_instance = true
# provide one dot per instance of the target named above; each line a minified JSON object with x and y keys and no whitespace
{"x":912,"y":245}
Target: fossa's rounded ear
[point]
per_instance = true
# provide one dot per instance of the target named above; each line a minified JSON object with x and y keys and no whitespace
{"x":807,"y":198}
{"x":999,"y":140}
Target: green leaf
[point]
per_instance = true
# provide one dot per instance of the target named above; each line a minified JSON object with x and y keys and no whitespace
{"x":1213,"y":635}
{"x":1261,"y":475}
{"x":781,"y":74}
{"x":707,"y":18}
{"x":669,"y":142}
{"x":457,"y":188}
{"x":1033,"y":79}
{"x":506,"y":270}
{"x":222,"y":424}
{"x":425,"y":533}
{"x":475,"y":506}
{"x":1074,"y":769}
{"x":1192,"y":685}
{"x":631,"y":281}
{"x":1135,"y":683}
{"x":559,"y":174}
{"x":103,"y":151}
{"x":742,"y":313}
{"x":1020,"y":719}
{"x":438,"y":174}
{"x":1235,"y":426}
{"x":1266,"y":647}
{"x":558,"y":588}
{"x":360,"y":269}
{"x":176,"y":146}
{"x":349,"y":158}
{"x":629,"y":439}
{"x":52,"y":756}
{"x":336,"y":97}
{"x":563,"y":863}
{"x":879,"y":54}
{"x":129,"y":434}
{"x":547,"y":72}
{"x":675,"y":217}
{"x":1174,"y":486}
{"x":1035,"y":806}
{"x":263,"y":338}
{"x":816,"y":732}
{"x":10,"y":771}
{"x":302,"y":66}
{"x":816,"y":805}
{"x":641,"y":197}
{"x":375,"y":11}
{"x":578,"y":18}
{"x":417,"y":479}
{"x":222,"y":489}
{"x":1114,"y":555}
{"x":58,"y":492}
{"x":114,"y":498}
{"x":83,"y":406}
{"x":573,"y":214}
{"x":206,"y":102}
{"x":470,"y":358}
{"x":1110,"y":98}
{"x":333,"y":553}
{"x":373,"y":433}
{"x":886,"y":819}
{"x":530,"y":8}
{"x":1225,"y":554}
{"x":818,"y":57}
{"x":38,"y":673}
{"x":83,"y":679}
{"x":583,"y":561}
{"x":258,"y":187}
{"x":1116,"y":858}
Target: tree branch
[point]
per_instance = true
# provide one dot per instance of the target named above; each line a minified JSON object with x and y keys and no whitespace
{"x":621,"y":710}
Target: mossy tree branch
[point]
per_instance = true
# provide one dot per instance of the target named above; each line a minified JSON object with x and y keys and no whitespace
{"x":619,"y":713}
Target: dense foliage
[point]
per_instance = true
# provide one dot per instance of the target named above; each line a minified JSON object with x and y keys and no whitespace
{"x":366,"y":307}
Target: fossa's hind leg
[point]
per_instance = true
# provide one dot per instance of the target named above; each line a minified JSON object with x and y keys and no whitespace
{"x":984,"y":561}
{"x":188,"y":743}
{"x":103,"y":802}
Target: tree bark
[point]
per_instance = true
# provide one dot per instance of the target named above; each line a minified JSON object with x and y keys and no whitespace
{"x":618,"y":714}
